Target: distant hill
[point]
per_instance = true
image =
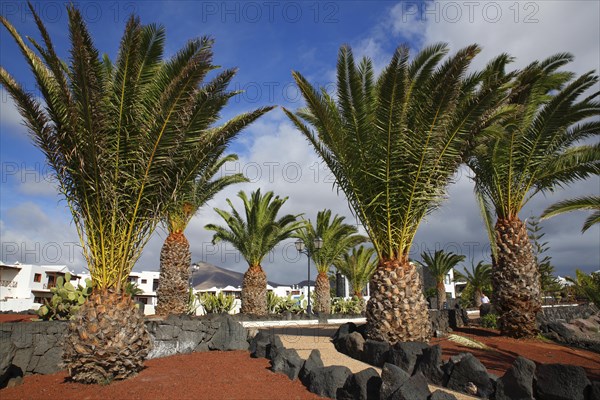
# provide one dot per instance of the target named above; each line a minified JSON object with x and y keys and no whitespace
{"x":209,"y":276}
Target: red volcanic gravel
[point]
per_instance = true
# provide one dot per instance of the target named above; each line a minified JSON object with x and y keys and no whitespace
{"x":506,"y":350}
{"x":207,"y":375}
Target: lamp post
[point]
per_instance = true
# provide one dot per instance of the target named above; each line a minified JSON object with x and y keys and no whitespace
{"x":301,"y":247}
{"x":193,"y":268}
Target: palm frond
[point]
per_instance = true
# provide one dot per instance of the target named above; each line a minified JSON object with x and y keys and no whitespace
{"x":394,"y":142}
{"x":259,"y":230}
{"x":125,"y":139}
{"x":577,"y":204}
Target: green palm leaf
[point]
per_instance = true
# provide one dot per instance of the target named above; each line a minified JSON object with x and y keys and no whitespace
{"x":125,"y":137}
{"x":259,"y":230}
{"x":338,"y":237}
{"x":358,"y":266}
{"x":577,"y":204}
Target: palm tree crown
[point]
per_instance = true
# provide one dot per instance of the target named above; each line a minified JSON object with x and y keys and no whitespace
{"x":440,"y":263}
{"x":338,"y":237}
{"x":535,"y":149}
{"x":393,"y":143}
{"x":123,"y":137}
{"x":479,"y":280}
{"x":200,"y":191}
{"x":358,"y":266}
{"x":256,"y":233}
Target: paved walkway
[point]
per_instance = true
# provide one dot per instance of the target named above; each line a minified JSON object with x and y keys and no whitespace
{"x":306,"y":338}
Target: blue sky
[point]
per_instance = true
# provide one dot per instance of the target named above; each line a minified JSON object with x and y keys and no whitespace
{"x":266,"y":41}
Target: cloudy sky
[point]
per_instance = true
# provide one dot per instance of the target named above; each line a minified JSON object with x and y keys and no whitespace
{"x":267,"y":40}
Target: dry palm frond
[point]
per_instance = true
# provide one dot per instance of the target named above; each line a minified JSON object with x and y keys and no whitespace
{"x":466,"y":342}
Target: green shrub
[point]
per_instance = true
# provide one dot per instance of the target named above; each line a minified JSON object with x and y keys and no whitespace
{"x":490,"y":321}
{"x":279,"y":305}
{"x":354,"y":305}
{"x":216,"y":303}
{"x":66,"y":299}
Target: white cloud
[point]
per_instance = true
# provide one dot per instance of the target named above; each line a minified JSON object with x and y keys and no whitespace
{"x":278,"y":158}
{"x":35,"y":236}
{"x":524,"y":29}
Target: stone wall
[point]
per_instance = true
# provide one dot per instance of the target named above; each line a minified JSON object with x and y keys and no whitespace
{"x":35,"y":347}
{"x":566,"y":313}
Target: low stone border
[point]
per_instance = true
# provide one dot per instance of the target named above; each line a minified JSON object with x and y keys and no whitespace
{"x":419,"y":363}
{"x":337,"y":381}
{"x":36,"y":347}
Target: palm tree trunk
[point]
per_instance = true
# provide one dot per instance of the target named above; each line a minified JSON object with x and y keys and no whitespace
{"x":441,"y":295}
{"x":516,"y":280}
{"x":254,"y":291}
{"x":397,"y":310}
{"x":322,"y":291}
{"x":107,"y":340}
{"x":477,"y":297}
{"x":175,"y":260}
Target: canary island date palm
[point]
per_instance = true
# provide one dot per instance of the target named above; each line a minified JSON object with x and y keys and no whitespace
{"x":439,"y":264}
{"x":358,"y":266}
{"x":577,"y":204}
{"x":175,"y":255}
{"x":535,"y":150}
{"x":338,"y":237}
{"x":254,"y":235}
{"x":122,"y":138}
{"x":479,"y":280}
{"x":393,"y":144}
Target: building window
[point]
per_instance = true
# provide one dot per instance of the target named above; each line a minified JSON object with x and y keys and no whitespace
{"x":39,"y":300}
{"x":37,"y":277}
{"x":154,"y":285}
{"x":144,"y":281}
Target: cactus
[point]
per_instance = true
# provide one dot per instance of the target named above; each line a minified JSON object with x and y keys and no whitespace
{"x":66,"y":299}
{"x":278,"y":305}
{"x":216,"y":303}
{"x":354,"y":305}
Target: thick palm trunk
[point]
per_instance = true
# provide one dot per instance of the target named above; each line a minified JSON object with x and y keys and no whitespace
{"x":322,"y":291}
{"x":175,"y":260}
{"x":477,"y":297}
{"x":254,"y":291}
{"x":107,"y":340}
{"x":397,"y":310}
{"x":441,"y":294}
{"x":516,"y":280}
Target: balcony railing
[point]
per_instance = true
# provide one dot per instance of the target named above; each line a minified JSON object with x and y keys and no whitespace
{"x":7,"y":283}
{"x":49,"y":285}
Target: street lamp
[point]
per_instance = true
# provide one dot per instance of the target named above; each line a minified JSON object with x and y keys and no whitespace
{"x":301,"y":247}
{"x":193,"y":268}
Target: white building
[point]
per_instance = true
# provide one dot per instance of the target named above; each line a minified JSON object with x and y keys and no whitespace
{"x":25,"y":286}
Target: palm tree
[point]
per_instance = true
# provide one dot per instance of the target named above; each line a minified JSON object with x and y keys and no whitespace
{"x":479,"y":279}
{"x":122,"y":139}
{"x":254,"y":237}
{"x":577,"y":204}
{"x":532,"y":151}
{"x":338,"y":238}
{"x":439,"y":265}
{"x":393,"y":144}
{"x":358,"y":266}
{"x":175,"y":255}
